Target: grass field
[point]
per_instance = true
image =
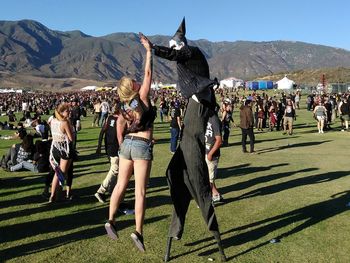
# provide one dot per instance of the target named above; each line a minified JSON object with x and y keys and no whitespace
{"x":295,"y":189}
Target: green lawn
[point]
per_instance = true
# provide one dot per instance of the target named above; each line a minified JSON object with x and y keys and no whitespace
{"x":296,"y":189}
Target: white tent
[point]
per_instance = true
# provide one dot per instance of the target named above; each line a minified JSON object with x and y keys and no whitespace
{"x":89,"y":88}
{"x":231,"y":83}
{"x":285,"y":83}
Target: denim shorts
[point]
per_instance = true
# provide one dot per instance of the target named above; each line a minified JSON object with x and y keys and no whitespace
{"x":136,"y":148}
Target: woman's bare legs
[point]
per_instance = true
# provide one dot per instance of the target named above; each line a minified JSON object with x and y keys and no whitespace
{"x":125,"y":171}
{"x":142,"y":170}
{"x":64,"y":165}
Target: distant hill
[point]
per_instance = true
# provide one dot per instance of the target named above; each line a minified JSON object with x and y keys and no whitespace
{"x":311,"y":77}
{"x":32,"y":55}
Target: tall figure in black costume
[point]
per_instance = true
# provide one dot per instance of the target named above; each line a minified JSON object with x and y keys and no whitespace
{"x":187,"y":173}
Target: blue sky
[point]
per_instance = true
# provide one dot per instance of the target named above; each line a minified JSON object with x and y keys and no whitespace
{"x":313,"y":21}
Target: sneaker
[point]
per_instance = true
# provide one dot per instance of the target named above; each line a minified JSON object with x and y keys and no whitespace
{"x":100,"y":197}
{"x":138,"y":240}
{"x":51,"y":199}
{"x":111,"y":230}
{"x":217,"y":198}
{"x":69,"y":197}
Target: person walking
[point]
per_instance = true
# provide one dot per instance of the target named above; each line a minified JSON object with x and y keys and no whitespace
{"x":288,"y":118}
{"x":97,"y":113}
{"x":109,"y":130}
{"x":320,"y":114}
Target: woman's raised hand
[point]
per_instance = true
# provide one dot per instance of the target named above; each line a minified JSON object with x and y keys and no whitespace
{"x":145,"y":42}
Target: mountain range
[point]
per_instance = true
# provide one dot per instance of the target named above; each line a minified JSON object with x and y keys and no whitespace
{"x":32,"y":55}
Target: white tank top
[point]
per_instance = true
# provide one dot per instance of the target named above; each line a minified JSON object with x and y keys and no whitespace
{"x":59,"y":139}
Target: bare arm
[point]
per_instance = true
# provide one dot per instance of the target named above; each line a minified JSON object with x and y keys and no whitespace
{"x":146,"y":84}
{"x":179,"y":122}
{"x":121,"y":124}
{"x":216,"y":146}
{"x":67,"y":129}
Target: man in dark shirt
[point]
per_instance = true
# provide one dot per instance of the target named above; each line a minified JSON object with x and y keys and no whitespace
{"x":112,"y":147}
{"x":247,"y":123}
{"x":213,"y":142}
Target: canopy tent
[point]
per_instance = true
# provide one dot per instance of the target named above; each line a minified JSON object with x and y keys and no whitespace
{"x":285,"y":83}
{"x":231,"y":83}
{"x":89,"y":88}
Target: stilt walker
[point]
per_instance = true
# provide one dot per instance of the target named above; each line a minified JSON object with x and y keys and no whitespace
{"x":187,"y":173}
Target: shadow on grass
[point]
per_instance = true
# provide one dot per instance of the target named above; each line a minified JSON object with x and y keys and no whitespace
{"x":306,"y":217}
{"x":244,"y":169}
{"x":294,"y":145}
{"x":257,"y":141}
{"x":17,"y":191}
{"x":60,"y":224}
{"x":20,"y":181}
{"x":312,"y":179}
{"x":261,"y":179}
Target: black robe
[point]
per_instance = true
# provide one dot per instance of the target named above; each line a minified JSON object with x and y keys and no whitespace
{"x":187,"y":173}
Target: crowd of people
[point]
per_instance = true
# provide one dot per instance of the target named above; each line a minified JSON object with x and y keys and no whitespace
{"x":199,"y":125}
{"x":49,"y":145}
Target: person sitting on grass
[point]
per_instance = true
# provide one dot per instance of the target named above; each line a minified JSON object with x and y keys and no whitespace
{"x":23,"y":156}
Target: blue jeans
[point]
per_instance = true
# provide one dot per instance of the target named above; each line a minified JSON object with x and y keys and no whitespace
{"x":174,"y":137}
{"x":104,"y":116}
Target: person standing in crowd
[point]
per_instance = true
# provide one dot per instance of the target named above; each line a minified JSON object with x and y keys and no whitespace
{"x":226,"y":118}
{"x":280,"y":113}
{"x":109,"y":130}
{"x":61,"y":148}
{"x":213,"y":142}
{"x":175,"y":125}
{"x":104,"y":112}
{"x":272,"y":115}
{"x":288,"y":118}
{"x":162,"y":106}
{"x":261,"y":115}
{"x":97,"y":113}
{"x":344,"y":111}
{"x":136,"y":148}
{"x":329,"y":108}
{"x":320,"y":114}
{"x":247,"y":124}
{"x":74,"y":116}
{"x":297,"y":99}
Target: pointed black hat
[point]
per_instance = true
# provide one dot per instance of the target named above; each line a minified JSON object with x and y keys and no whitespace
{"x":181,"y":32}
